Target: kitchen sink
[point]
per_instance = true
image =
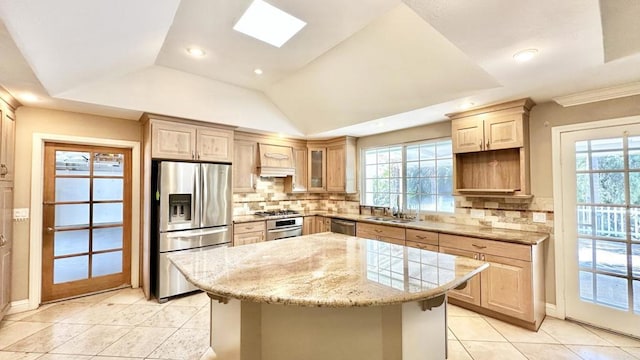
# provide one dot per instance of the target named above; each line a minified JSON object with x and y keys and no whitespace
{"x":390,"y":219}
{"x":401,"y":221}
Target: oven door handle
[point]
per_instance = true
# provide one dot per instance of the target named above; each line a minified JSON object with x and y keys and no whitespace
{"x":284,"y":229}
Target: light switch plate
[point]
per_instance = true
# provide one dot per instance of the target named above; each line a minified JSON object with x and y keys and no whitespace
{"x":477,"y":214}
{"x":539,"y":217}
{"x":21,"y":214}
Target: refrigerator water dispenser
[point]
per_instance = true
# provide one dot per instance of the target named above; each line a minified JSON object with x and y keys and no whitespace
{"x":179,"y":208}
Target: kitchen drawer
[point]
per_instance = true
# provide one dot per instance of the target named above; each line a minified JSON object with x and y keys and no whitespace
{"x":422,"y":236}
{"x":249,"y":227}
{"x":420,"y":245}
{"x":491,"y":247}
{"x":373,"y":231}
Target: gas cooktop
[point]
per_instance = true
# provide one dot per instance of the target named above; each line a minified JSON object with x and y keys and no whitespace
{"x":276,"y":213}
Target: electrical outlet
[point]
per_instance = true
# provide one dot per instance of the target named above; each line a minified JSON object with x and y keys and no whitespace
{"x":477,"y":214}
{"x":539,"y":217}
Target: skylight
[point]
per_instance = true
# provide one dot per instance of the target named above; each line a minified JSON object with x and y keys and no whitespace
{"x":267,"y":23}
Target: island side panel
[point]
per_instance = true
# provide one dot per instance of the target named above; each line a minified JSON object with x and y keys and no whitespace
{"x":424,"y":332}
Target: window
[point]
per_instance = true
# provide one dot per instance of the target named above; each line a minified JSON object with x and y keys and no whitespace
{"x":414,"y":177}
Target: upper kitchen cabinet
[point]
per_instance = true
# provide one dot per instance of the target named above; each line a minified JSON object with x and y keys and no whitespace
{"x":491,"y":150}
{"x":317,"y":158}
{"x":491,"y":128}
{"x":7,"y":141}
{"x":245,"y":154}
{"x":298,"y":182}
{"x":178,"y":140}
{"x":332,"y":165}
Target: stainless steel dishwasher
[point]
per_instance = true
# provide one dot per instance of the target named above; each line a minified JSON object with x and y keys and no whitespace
{"x":343,"y":227}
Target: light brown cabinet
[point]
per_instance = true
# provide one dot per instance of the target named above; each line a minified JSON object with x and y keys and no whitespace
{"x":6,"y":234}
{"x":512,"y":286}
{"x":185,"y":141}
{"x":316,"y":224}
{"x":390,"y":234}
{"x":298,"y":182}
{"x":249,"y":233}
{"x":421,"y":239}
{"x":332,"y":165}
{"x":7,"y":142}
{"x":317,"y":160}
{"x":491,"y":149}
{"x":244,"y":166}
{"x":478,"y":133}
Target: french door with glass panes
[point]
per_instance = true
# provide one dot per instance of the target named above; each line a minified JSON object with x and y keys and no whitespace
{"x":86,"y":220}
{"x":601,"y":222}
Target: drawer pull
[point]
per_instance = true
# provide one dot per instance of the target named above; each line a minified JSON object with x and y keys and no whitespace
{"x":377,"y":230}
{"x":421,"y":237}
{"x":479,"y":246}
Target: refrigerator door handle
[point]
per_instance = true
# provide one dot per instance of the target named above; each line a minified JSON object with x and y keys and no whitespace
{"x":198,"y":232}
{"x":197,"y":195}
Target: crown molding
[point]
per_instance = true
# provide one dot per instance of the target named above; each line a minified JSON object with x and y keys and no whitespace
{"x":607,"y":93}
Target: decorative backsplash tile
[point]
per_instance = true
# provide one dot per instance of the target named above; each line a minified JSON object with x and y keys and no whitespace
{"x":504,"y":213}
{"x":270,"y":195}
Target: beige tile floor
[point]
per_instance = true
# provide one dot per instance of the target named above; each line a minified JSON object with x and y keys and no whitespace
{"x":122,"y":325}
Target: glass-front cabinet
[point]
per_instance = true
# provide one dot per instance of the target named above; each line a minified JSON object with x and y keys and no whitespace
{"x":317,"y":169}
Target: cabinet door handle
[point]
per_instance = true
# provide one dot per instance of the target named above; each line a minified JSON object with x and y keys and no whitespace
{"x":488,"y":144}
{"x":482,"y":257}
{"x":480,"y":145}
{"x":3,"y":241}
{"x":475,"y":256}
{"x":193,"y":155}
{"x":3,"y":170}
{"x":479,"y":246}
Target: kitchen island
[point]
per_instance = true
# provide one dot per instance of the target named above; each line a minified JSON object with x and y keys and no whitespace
{"x":326,"y":296}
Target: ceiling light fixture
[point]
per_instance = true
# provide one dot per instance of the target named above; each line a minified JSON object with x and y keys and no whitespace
{"x":467,"y":105}
{"x":257,"y":71}
{"x":525,"y":55}
{"x":267,"y":23}
{"x":29,"y":97}
{"x":195,"y":52}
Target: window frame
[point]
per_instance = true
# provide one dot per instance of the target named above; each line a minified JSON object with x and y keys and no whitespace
{"x":403,"y":176}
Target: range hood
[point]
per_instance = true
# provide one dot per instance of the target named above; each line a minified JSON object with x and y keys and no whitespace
{"x":275,"y":161}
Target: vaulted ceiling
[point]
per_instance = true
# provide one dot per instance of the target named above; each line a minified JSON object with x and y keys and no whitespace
{"x":358,"y":67}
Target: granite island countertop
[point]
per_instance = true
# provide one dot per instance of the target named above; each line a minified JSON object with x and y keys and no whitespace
{"x":326,"y":269}
{"x":513,"y":236}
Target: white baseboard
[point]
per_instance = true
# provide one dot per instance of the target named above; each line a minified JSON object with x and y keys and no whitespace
{"x":552,"y":310}
{"x":20,"y":306}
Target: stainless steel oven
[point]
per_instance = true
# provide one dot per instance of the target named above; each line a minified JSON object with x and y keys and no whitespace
{"x":284,"y":228}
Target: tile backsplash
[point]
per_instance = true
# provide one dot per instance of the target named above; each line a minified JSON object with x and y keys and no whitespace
{"x":270,"y":195}
{"x":504,"y":213}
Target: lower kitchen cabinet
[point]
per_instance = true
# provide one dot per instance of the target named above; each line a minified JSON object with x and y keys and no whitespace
{"x":316,"y":224}
{"x":421,"y":239}
{"x":249,"y":233}
{"x":512,"y":288}
{"x":6,"y":226}
{"x":390,"y":234}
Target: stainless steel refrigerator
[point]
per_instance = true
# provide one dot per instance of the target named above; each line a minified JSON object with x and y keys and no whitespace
{"x":193,"y":203}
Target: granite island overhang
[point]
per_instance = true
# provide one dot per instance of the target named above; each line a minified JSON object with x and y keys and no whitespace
{"x":326,"y":296}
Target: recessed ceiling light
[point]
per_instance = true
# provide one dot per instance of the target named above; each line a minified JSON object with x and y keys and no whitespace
{"x":195,"y":52}
{"x":525,"y":55}
{"x":257,"y":71}
{"x":29,"y":97}
{"x":267,"y":23}
{"x":467,"y":105}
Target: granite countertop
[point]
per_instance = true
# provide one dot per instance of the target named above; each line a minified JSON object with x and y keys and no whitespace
{"x":326,"y":269}
{"x":513,"y":236}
